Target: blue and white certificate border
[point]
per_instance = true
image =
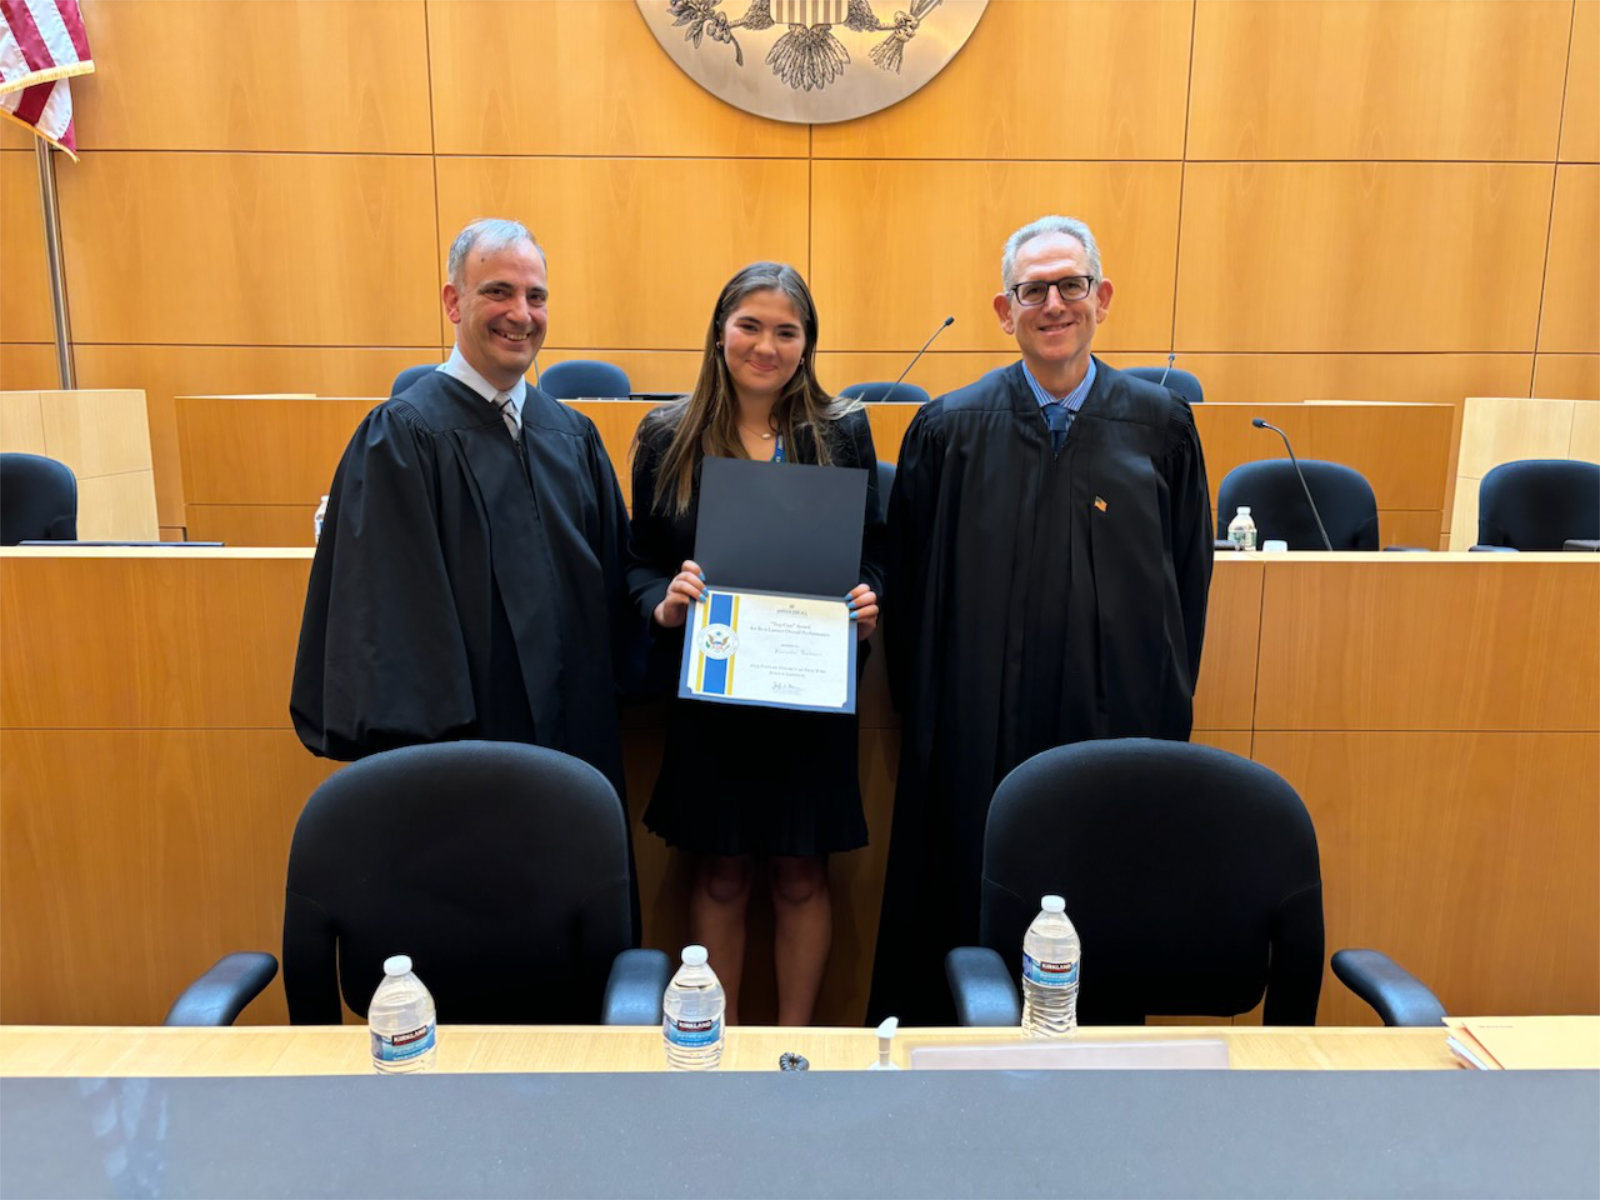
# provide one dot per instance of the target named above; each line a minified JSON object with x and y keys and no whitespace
{"x":715,"y":675}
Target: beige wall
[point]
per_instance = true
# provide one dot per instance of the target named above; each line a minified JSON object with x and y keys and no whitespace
{"x":1307,"y":199}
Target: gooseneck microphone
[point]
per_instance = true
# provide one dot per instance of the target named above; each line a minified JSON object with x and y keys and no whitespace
{"x":1171,"y":358}
{"x":943,"y":325}
{"x":1322,"y":529}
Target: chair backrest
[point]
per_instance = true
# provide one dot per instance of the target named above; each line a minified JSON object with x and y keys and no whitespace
{"x":1182,"y":382}
{"x":1278,"y":503}
{"x":579,"y":378}
{"x":409,"y":376}
{"x":500,"y":868}
{"x":1539,"y":503}
{"x":1191,"y":874}
{"x":38,"y":500}
{"x":885,"y":389}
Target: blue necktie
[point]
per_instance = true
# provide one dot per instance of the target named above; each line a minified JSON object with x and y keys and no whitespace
{"x":1058,"y":418}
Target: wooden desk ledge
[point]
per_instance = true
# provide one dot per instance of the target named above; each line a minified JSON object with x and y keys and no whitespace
{"x":343,"y":1049}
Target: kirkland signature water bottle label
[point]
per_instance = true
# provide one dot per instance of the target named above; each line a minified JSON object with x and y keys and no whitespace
{"x":402,"y":1045}
{"x":1049,"y":974}
{"x":691,"y":1033}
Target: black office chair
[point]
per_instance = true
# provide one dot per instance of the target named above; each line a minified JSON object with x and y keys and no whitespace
{"x":38,"y":500}
{"x":1539,"y":504}
{"x":1278,"y":503}
{"x":409,"y":376}
{"x":581,"y":378}
{"x":1182,"y":382}
{"x":1193,"y":879}
{"x":873,"y":393}
{"x":500,"y":868}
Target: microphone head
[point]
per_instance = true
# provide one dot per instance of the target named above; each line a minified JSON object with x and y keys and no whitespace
{"x":948,"y":321}
{"x":1258,"y":422}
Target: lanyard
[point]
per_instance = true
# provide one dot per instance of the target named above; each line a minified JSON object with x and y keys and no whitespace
{"x":777,"y":451}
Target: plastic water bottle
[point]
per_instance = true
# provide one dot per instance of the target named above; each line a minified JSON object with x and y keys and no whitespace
{"x":317,"y":519}
{"x":402,"y":1020}
{"x":691,"y":1023}
{"x":1242,"y":529}
{"x":1050,"y":953}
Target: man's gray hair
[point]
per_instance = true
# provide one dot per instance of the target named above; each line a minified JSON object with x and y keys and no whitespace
{"x":1070,"y":226}
{"x":488,"y":234}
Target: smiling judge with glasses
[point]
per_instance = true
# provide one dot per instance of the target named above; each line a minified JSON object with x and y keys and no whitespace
{"x":1050,"y":554}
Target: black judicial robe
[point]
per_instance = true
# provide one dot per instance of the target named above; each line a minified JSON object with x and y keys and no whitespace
{"x":1040,"y":599}
{"x":468,"y":588}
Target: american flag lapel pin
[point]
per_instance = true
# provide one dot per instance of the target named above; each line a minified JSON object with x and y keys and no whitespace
{"x":1099,"y":504}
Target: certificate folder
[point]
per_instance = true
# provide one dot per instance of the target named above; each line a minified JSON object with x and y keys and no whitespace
{"x":780,"y":546}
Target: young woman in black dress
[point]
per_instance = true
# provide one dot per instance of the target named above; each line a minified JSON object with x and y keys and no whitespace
{"x":740,"y":783}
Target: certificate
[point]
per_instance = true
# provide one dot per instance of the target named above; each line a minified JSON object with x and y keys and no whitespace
{"x":773,"y":650}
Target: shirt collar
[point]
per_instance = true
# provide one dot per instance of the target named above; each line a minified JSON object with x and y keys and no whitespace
{"x":1073,"y":400}
{"x":457,"y":367}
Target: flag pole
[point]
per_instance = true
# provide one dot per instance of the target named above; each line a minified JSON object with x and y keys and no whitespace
{"x":58,"y":277}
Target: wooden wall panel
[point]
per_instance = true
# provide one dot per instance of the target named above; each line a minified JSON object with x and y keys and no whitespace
{"x":1225,"y":695}
{"x":1360,"y":256}
{"x":1567,"y":376}
{"x":1570,"y":317}
{"x":638,"y":248}
{"x":30,"y":367}
{"x":335,"y":75}
{"x":1377,"y":79}
{"x":251,"y":249}
{"x":248,"y":450}
{"x":888,"y":264}
{"x":182,"y":835}
{"x":1330,"y":639}
{"x":1413,"y":378}
{"x":252,"y":524}
{"x":1580,"y":121}
{"x":197,"y":640}
{"x":25,"y":299}
{"x":576,"y":77}
{"x":1468,"y":857}
{"x":1127,"y":69}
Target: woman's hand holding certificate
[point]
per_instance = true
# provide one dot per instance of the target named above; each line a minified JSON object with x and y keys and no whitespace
{"x":757,"y":648}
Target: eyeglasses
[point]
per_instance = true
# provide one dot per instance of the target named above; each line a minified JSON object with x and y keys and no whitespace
{"x":1033,"y":292}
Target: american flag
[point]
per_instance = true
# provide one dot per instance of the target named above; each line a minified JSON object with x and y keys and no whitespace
{"x":810,"y":12}
{"x":42,"y":45}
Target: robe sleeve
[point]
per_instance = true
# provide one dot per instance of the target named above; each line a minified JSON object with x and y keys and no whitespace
{"x":913,"y":506}
{"x":628,"y":633}
{"x":651,"y":565}
{"x":1190,"y":497}
{"x":381,"y":662}
{"x":874,"y":532}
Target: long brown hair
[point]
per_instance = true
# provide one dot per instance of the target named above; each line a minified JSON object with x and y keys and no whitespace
{"x":706,"y":423}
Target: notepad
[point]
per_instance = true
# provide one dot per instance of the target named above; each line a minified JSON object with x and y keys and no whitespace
{"x":1527,"y":1043}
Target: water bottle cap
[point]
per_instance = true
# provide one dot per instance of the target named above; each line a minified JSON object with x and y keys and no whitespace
{"x":400,"y":964}
{"x":694,"y":956}
{"x":1053,"y":904}
{"x":1244,"y":510}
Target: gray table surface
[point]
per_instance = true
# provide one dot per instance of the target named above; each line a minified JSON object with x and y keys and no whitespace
{"x":1081,"y":1133}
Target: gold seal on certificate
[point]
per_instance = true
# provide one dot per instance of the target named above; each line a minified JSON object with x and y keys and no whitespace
{"x":776,"y":650}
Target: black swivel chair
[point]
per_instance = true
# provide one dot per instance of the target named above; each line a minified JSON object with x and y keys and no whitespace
{"x":886,"y":389}
{"x":1192,"y":876}
{"x":1539,"y":504}
{"x":581,"y":378}
{"x":1278,"y":503}
{"x":501,"y":869}
{"x":38,"y":500}
{"x":1182,"y":382}
{"x":409,"y":376}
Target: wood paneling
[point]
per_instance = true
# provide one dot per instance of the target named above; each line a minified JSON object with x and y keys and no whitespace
{"x":1126,"y":65}
{"x":888,"y":263}
{"x":25,"y":298}
{"x":252,"y":524}
{"x":181,"y":836}
{"x":1570,"y":317}
{"x":154,"y":639}
{"x":263,"y":450}
{"x":1580,"y":121}
{"x":1377,"y":79}
{"x":1503,"y":429}
{"x":1331,"y":641}
{"x":251,"y":249}
{"x":1567,"y":376}
{"x":1361,"y":256}
{"x":334,"y":75}
{"x":1415,"y":378}
{"x":701,"y":220}
{"x":1225,"y":694}
{"x":26,"y":366}
{"x":576,"y":77}
{"x":1468,"y":857}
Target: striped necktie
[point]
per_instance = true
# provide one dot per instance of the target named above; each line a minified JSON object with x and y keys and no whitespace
{"x":502,"y":401}
{"x":1058,"y":418}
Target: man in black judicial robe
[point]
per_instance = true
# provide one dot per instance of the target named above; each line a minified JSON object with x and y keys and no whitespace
{"x":469,"y":579}
{"x":1050,"y":556}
